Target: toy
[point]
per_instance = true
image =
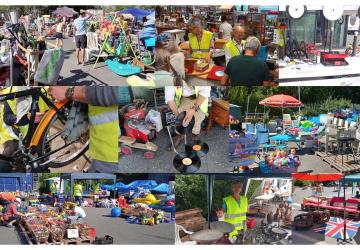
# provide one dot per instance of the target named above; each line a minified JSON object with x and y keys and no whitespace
{"x":281,"y":160}
{"x":149,"y":199}
{"x":115,"y":212}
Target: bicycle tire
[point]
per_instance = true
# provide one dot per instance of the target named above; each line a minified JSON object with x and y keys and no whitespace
{"x":42,"y":150}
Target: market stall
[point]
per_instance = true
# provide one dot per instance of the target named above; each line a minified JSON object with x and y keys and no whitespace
{"x":46,"y":225}
{"x":144,"y":202}
{"x":320,"y":56}
{"x":267,"y":197}
{"x":73,"y":177}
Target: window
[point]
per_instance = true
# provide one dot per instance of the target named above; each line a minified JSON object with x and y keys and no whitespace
{"x":312,"y":28}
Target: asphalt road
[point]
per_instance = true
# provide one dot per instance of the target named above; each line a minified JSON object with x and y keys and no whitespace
{"x":125,"y":233}
{"x":9,"y":236}
{"x":118,"y":228}
{"x":309,"y":236}
{"x":215,"y":161}
{"x":73,"y":74}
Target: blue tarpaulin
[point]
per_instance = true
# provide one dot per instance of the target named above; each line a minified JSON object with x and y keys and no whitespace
{"x":162,"y":188}
{"x":133,"y":186}
{"x":136,"y":12}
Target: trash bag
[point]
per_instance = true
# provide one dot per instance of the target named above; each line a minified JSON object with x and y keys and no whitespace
{"x":50,"y":66}
{"x":154,"y":117}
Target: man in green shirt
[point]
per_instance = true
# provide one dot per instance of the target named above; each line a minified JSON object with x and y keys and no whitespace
{"x":247,"y":70}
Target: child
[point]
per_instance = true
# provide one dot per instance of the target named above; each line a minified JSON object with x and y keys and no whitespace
{"x":59,"y":33}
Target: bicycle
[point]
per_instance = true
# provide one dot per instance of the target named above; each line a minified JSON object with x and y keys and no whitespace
{"x":45,"y":145}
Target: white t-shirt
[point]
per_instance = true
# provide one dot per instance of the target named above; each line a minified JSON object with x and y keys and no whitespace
{"x":204,"y":91}
{"x":226,"y":29}
{"x":79,"y":211}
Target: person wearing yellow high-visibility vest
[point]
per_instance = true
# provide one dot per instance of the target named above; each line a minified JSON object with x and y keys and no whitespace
{"x":14,"y":120}
{"x":201,"y":41}
{"x":235,"y":45}
{"x":235,"y":207}
{"x":103,"y":122}
{"x":78,"y":193}
{"x":189,"y":99}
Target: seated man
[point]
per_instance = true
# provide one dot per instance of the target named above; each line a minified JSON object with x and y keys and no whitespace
{"x":247,"y":70}
{"x":193,"y":101}
{"x":11,"y":215}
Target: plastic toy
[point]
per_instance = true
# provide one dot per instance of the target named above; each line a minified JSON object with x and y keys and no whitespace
{"x":115,"y":212}
{"x":121,"y":68}
{"x":139,"y":133}
{"x":149,"y":199}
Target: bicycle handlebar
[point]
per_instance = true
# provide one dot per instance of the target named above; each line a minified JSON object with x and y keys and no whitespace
{"x":19,"y":94}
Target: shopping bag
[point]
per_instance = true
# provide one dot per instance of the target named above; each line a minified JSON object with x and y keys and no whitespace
{"x":49,"y":68}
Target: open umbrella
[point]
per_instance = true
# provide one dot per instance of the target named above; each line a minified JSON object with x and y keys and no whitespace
{"x":317,"y":177}
{"x":64,"y":11}
{"x":281,"y":101}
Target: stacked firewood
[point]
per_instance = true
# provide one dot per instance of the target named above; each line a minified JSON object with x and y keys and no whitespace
{"x":192,"y":219}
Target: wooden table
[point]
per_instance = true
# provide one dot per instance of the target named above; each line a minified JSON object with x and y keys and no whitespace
{"x":219,"y":113}
{"x":200,"y":79}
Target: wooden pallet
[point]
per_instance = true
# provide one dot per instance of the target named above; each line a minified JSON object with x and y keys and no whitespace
{"x":347,"y":167}
{"x":31,"y":240}
{"x":335,"y":213}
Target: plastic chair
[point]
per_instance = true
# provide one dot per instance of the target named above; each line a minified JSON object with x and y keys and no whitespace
{"x":178,"y":241}
{"x":271,"y":126}
{"x":93,"y":47}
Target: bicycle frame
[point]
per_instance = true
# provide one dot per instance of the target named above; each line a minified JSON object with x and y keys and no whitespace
{"x":33,"y":136}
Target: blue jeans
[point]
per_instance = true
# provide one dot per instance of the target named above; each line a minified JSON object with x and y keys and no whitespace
{"x":78,"y":200}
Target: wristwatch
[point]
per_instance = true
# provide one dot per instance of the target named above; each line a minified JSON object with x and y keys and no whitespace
{"x":69,"y":94}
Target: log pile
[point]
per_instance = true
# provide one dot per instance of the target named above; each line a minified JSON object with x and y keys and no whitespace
{"x":192,"y":220}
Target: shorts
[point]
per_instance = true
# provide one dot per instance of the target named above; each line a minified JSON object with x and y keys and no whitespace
{"x":59,"y":35}
{"x":81,"y":41}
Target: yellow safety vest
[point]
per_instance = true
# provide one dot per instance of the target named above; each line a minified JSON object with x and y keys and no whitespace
{"x":230,"y":45}
{"x":77,"y":190}
{"x":104,"y":131}
{"x":236,"y":214}
{"x":178,"y":94}
{"x":280,"y":37}
{"x":200,"y":49}
{"x":43,"y":107}
{"x":6,"y":132}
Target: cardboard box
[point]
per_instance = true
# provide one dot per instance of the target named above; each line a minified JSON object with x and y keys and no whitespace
{"x":72,"y":233}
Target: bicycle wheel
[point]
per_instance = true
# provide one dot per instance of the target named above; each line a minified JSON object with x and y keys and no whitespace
{"x":52,"y":140}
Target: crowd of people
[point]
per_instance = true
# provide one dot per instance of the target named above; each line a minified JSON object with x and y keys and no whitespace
{"x":242,"y":64}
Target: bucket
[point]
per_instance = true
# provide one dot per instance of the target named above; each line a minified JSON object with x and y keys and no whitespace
{"x":92,"y":232}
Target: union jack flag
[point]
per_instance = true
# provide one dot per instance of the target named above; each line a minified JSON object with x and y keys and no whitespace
{"x":334,"y":228}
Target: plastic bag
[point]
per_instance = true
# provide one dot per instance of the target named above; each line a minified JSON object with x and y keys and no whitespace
{"x":50,"y":66}
{"x":154,"y":117}
{"x":77,"y":121}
